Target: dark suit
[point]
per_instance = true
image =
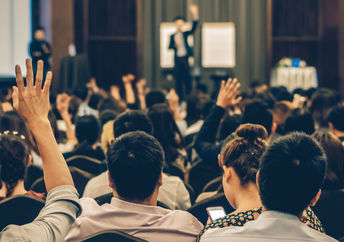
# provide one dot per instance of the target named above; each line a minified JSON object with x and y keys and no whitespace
{"x":181,"y":63}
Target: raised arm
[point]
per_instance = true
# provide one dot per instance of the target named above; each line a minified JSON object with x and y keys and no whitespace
{"x":129,"y":91}
{"x":32,"y":104}
{"x":193,"y":8}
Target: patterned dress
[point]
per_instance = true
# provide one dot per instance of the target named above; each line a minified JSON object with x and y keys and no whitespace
{"x":239,"y":219}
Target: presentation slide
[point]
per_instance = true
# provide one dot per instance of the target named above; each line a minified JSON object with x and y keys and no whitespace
{"x":15,"y":34}
{"x":218,"y":45}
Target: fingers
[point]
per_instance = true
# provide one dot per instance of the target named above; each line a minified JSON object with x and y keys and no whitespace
{"x":15,"y":97}
{"x":19,"y":79}
{"x":47,"y":83}
{"x":39,"y":77}
{"x":29,"y":74}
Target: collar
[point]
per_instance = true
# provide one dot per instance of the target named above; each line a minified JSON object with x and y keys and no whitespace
{"x":276,"y":214}
{"x":121,"y":204}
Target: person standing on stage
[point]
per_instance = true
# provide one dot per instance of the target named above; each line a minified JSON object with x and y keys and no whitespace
{"x":40,"y":50}
{"x":182,"y":52}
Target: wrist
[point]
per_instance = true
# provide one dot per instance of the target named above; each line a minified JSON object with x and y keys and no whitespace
{"x":221,"y":105}
{"x":38,"y":125}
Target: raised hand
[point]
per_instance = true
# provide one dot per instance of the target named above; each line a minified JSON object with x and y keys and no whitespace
{"x":128,"y":78}
{"x":193,"y":8}
{"x":62,"y":103}
{"x":228,"y":93}
{"x":31,"y":101}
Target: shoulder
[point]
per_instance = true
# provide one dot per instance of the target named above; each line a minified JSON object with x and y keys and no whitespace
{"x":187,"y":219}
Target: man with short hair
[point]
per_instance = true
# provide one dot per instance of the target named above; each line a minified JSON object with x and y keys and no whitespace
{"x":292,"y":171}
{"x":172,"y":193}
{"x":336,"y":121}
{"x":135,"y":162}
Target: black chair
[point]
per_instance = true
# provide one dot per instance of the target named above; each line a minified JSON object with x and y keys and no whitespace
{"x":329,"y":210}
{"x":213,"y":185}
{"x":200,"y":174}
{"x":191,"y":192}
{"x":199,"y":209}
{"x":85,"y":163}
{"x":112,"y":235}
{"x":80,"y":179}
{"x":33,"y":172}
{"x":106,"y":198}
{"x":19,"y":210}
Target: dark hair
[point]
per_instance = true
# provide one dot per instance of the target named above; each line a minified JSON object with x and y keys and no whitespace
{"x":87,"y":129}
{"x":334,"y":150}
{"x":280,"y":114}
{"x":40,"y":28}
{"x":110,"y":104}
{"x":292,"y":170}
{"x":11,"y":121}
{"x":178,"y":18}
{"x":336,"y":117}
{"x":322,"y":102}
{"x":281,"y":94}
{"x":135,"y":163}
{"x":95,"y":100}
{"x":228,"y":125}
{"x":14,"y":158}
{"x":193,"y":109}
{"x":154,"y":97}
{"x":106,"y":116}
{"x":299,"y":120}
{"x":166,"y":131}
{"x":81,"y":93}
{"x":132,"y":121}
{"x":244,"y":151}
{"x":267,"y":98}
{"x":257,"y":112}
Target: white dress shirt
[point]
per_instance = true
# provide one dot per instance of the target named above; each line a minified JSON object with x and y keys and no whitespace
{"x":172,"y":193}
{"x":270,"y":226}
{"x":151,"y":223}
{"x":181,"y":50}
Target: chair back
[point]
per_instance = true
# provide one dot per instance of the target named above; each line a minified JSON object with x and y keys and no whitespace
{"x":112,"y":235}
{"x":213,"y":185}
{"x":33,"y":172}
{"x":199,"y":209}
{"x":19,"y":210}
{"x":85,"y":163}
{"x":38,"y":186}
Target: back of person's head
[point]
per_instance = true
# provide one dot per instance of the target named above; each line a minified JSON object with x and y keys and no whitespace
{"x":292,"y":170}
{"x":207,"y":107}
{"x":14,"y":159}
{"x":321,"y":103}
{"x":336,"y":118}
{"x":280,"y":113}
{"x":11,"y":121}
{"x":281,"y":94}
{"x":299,"y":120}
{"x":135,"y":162}
{"x":110,"y":104}
{"x":258,"y":112}
{"x":193,"y":109}
{"x":178,"y":18}
{"x":228,"y":125}
{"x":244,"y":151}
{"x":95,"y":99}
{"x":106,"y":116}
{"x":87,"y":129}
{"x":155,"y":97}
{"x":81,"y":93}
{"x":267,"y":98}
{"x":334,"y":150}
{"x":166,"y":130}
{"x":132,"y":121}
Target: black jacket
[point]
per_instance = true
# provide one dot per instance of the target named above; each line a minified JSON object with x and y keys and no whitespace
{"x":189,"y":51}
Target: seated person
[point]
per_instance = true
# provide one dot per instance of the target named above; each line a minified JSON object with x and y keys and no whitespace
{"x":62,"y":204}
{"x":239,"y":159}
{"x":290,"y":176}
{"x":87,"y":129}
{"x":336,"y":122}
{"x":172,"y":193}
{"x":135,"y":162}
{"x":15,"y":159}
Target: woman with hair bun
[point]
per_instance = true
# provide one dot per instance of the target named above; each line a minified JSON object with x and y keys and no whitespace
{"x":15,"y":158}
{"x":239,"y":160}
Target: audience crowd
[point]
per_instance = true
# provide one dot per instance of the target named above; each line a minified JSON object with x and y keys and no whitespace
{"x":147,"y":164}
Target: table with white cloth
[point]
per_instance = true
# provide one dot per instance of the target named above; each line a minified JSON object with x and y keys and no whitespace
{"x":294,"y":77}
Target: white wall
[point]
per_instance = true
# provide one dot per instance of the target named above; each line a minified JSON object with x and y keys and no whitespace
{"x":15,"y":34}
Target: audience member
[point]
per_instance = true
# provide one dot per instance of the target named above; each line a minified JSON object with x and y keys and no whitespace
{"x":290,"y":177}
{"x":87,"y":131}
{"x":336,"y":122}
{"x":15,"y":159}
{"x":62,"y":204}
{"x":299,"y":120}
{"x":172,"y":193}
{"x":135,"y":162}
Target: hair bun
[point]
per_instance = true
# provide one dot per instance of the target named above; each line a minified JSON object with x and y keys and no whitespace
{"x":251,"y":132}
